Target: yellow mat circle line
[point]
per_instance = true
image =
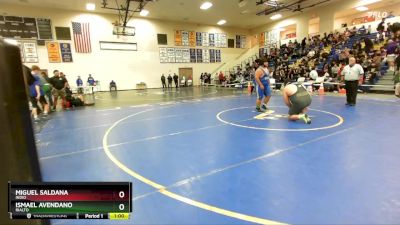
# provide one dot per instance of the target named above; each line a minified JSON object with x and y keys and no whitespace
{"x":162,"y":189}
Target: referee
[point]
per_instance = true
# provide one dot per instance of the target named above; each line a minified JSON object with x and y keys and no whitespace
{"x":353,"y":74}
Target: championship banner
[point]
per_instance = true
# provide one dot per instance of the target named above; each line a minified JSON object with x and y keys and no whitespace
{"x":199,"y":55}
{"x":192,"y":39}
{"x":30,"y":52}
{"x":218,"y":55}
{"x":238,"y":43}
{"x":217,"y":40}
{"x":178,"y":38}
{"x":206,"y":56}
{"x":192,"y":55}
{"x":224,"y":41}
{"x":185,"y":55}
{"x":185,"y":38}
{"x":243,"y":41}
{"x":66,"y":52}
{"x":163,"y":55}
{"x":212,"y":55}
{"x":205,"y":39}
{"x":53,"y":50}
{"x":199,"y":39}
{"x":171,"y":55}
{"x":211,"y":40}
{"x":178,"y":55}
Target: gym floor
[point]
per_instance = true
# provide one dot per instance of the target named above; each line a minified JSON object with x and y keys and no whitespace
{"x":202,"y":155}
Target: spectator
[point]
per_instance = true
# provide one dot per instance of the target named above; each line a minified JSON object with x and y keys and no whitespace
{"x":390,"y":51}
{"x":176,"y":80}
{"x":59,"y":84}
{"x":79,"y":84}
{"x":91,"y":80}
{"x":113,"y":85}
{"x":169,"y":78}
{"x":314,"y":74}
{"x":368,"y":45}
{"x":202,"y":79}
{"x":362,"y":30}
{"x":381,"y":26}
{"x":369,"y":29}
{"x":163,"y":81}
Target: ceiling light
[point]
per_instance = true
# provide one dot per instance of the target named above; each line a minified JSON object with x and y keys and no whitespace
{"x":276,"y":16}
{"x":362,"y":8}
{"x":206,"y":5}
{"x":90,"y":6}
{"x":221,"y":22}
{"x":144,"y":12}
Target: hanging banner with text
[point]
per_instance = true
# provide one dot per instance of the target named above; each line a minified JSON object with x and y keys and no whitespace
{"x":66,"y":52}
{"x":30,"y":52}
{"x":53,"y":50}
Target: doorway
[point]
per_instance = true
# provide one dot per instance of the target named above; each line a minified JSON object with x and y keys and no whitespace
{"x":188,"y":74}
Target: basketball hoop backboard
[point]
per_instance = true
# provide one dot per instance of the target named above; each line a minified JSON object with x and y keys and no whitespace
{"x":124,"y":31}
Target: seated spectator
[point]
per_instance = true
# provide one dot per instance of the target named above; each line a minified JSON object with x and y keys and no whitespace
{"x":314,"y":74}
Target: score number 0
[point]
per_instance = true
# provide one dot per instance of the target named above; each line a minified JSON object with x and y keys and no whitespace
{"x":121,"y":194}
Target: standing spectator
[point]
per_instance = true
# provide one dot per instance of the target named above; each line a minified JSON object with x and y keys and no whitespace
{"x":163,"y":81}
{"x":59,"y":84}
{"x":353,"y":74}
{"x":79,"y":84}
{"x":91,"y":81}
{"x":36,"y":95}
{"x":113,"y":85}
{"x":169,"y":78}
{"x":368,"y":45}
{"x":390,"y":51}
{"x":221,"y":77}
{"x":176,"y":80}
{"x":381,"y":26}
{"x":201,"y":79}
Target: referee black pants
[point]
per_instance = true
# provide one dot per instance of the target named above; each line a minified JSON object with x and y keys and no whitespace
{"x":351,"y":91}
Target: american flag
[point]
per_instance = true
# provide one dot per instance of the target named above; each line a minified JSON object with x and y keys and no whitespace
{"x":81,"y":37}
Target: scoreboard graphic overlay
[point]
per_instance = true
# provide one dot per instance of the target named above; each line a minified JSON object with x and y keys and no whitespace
{"x":66,"y":200}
